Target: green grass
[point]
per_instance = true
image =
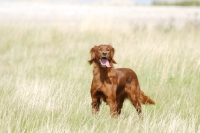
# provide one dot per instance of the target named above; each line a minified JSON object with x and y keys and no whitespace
{"x":177,"y":3}
{"x":45,"y":78}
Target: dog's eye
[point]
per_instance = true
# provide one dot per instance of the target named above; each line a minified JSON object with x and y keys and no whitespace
{"x":108,"y":49}
{"x":100,"y":49}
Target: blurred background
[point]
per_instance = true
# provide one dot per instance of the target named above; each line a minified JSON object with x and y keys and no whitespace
{"x":75,"y":13}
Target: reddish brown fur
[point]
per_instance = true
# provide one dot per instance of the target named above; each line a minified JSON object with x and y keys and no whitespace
{"x":113,"y":86}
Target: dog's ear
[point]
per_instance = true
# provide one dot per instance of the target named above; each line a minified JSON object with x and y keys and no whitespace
{"x":112,"y":50}
{"x":113,"y":61}
{"x":92,"y":52}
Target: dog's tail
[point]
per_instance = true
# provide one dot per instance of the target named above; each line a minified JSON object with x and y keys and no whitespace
{"x":145,"y":99}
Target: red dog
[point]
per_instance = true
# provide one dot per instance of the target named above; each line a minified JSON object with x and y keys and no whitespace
{"x":113,"y":86}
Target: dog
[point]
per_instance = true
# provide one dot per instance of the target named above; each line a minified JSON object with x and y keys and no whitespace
{"x":111,"y":85}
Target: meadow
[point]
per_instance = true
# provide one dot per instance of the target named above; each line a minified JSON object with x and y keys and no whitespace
{"x":45,"y":78}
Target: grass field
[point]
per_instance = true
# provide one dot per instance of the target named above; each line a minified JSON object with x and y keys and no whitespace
{"x":45,"y":78}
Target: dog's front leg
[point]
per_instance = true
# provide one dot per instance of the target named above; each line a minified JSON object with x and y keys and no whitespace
{"x":95,"y":102}
{"x":111,"y":100}
{"x":113,"y":107}
{"x":95,"y":99}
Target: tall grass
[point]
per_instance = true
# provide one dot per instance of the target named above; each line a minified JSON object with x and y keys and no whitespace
{"x":45,"y":78}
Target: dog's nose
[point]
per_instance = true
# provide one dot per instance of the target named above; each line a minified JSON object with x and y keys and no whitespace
{"x":104,"y":53}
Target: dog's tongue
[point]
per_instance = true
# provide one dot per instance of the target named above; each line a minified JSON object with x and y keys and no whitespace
{"x":105,"y":62}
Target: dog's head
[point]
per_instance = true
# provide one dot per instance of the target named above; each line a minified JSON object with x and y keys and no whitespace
{"x":103,"y":54}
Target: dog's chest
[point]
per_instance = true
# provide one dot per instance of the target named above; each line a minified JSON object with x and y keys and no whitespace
{"x":108,"y":84}
{"x":104,"y":79}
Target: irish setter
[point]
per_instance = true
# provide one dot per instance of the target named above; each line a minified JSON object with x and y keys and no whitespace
{"x":111,"y":85}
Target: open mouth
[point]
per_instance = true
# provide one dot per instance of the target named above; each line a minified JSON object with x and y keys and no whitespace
{"x":104,"y":62}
